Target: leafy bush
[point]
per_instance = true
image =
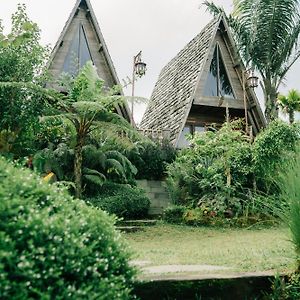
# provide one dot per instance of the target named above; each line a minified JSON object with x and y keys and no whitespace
{"x":122,"y":200}
{"x":174,"y":214}
{"x":225,"y":171}
{"x":56,"y":247}
{"x":287,"y":288}
{"x":152,"y":158}
{"x":272,"y":150}
{"x":210,"y":171}
{"x":290,"y":186}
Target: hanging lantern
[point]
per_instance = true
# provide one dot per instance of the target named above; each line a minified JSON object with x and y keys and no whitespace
{"x":252,"y":80}
{"x":140,"y":68}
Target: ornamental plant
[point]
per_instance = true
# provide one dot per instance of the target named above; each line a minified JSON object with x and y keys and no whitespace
{"x":54,"y":246}
{"x":226,"y":174}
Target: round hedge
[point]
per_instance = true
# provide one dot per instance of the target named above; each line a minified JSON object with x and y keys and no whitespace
{"x":123,"y":200}
{"x":55,"y":247}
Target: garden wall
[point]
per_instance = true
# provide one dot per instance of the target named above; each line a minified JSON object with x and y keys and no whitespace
{"x":157,"y":194}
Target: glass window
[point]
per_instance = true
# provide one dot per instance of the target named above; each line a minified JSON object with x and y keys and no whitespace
{"x":183,"y":142}
{"x":211,"y":87}
{"x":199,"y":128}
{"x":217,"y":83}
{"x":78,"y":54}
{"x":225,"y":88}
{"x":71,"y":61}
{"x":84,"y":51}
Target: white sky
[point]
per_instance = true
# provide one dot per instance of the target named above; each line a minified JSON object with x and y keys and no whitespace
{"x":160,"y":28}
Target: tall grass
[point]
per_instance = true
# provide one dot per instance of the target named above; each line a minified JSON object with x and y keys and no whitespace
{"x":291,"y":194}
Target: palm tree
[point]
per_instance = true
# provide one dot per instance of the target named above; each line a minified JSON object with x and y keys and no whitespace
{"x":266,"y":32}
{"x":290,"y":103}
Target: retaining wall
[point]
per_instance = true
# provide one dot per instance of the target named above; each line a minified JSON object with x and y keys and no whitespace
{"x":157,"y":194}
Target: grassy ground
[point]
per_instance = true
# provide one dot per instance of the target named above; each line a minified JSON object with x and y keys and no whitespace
{"x":240,"y":249}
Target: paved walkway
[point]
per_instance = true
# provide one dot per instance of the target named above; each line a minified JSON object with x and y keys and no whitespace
{"x":191,"y":272}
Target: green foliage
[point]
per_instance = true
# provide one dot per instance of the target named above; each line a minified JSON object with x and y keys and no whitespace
{"x":290,"y":189}
{"x":87,"y":107}
{"x":54,"y":246}
{"x":122,"y":200}
{"x":211,"y":170}
{"x":22,"y":96}
{"x":287,"y":288}
{"x":174,"y":214}
{"x":273,"y":148}
{"x":151,"y":159}
{"x":223,"y":172}
{"x":290,"y":103}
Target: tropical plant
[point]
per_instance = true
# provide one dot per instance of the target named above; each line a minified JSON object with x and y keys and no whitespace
{"x":290,"y":103}
{"x":267,"y":35}
{"x":225,"y":173}
{"x":151,"y":158}
{"x":56,"y":247}
{"x":87,"y":106}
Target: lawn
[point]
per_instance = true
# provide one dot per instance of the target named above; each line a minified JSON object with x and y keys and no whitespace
{"x":242,"y":250}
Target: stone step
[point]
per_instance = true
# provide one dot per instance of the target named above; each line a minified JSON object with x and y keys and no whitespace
{"x":128,"y":229}
{"x":137,"y":222}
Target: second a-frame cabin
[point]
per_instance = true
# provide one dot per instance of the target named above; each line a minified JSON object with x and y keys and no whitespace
{"x":195,"y":87}
{"x":80,"y":41}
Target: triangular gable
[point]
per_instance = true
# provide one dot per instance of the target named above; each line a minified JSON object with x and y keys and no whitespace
{"x":81,"y":40}
{"x":181,"y":83}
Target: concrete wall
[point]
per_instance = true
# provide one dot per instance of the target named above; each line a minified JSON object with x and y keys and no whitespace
{"x":157,"y":194}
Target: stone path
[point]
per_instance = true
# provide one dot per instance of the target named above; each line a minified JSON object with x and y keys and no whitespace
{"x":190,"y":272}
{"x":181,"y":268}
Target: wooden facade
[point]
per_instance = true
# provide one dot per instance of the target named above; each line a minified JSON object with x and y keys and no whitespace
{"x":80,"y":41}
{"x":185,"y":98}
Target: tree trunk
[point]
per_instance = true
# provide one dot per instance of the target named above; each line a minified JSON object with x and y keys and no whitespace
{"x":271,"y":111}
{"x":291,"y":116}
{"x":78,"y":167}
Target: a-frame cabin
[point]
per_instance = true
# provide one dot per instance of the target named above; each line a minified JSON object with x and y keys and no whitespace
{"x":80,"y":41}
{"x":195,"y":87}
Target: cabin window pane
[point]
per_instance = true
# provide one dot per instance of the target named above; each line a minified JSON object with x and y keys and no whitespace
{"x":78,"y":54}
{"x":217,"y":83}
{"x":183,"y":142}
{"x":71,"y":61}
{"x":84,"y":51}
{"x":225,"y":86}
{"x":211,"y":87}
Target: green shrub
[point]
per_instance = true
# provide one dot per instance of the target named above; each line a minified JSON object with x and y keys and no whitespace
{"x":122,"y":200}
{"x":290,"y":186}
{"x":225,"y":171}
{"x":56,"y":247}
{"x":174,"y":214}
{"x":272,"y":150}
{"x":287,"y":288}
{"x":152,"y":158}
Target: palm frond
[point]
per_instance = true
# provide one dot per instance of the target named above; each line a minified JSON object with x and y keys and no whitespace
{"x":114,"y":166}
{"x":212,"y":8}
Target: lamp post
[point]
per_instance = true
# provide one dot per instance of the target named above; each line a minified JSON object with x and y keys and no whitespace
{"x":139,"y":70}
{"x":250,"y":80}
